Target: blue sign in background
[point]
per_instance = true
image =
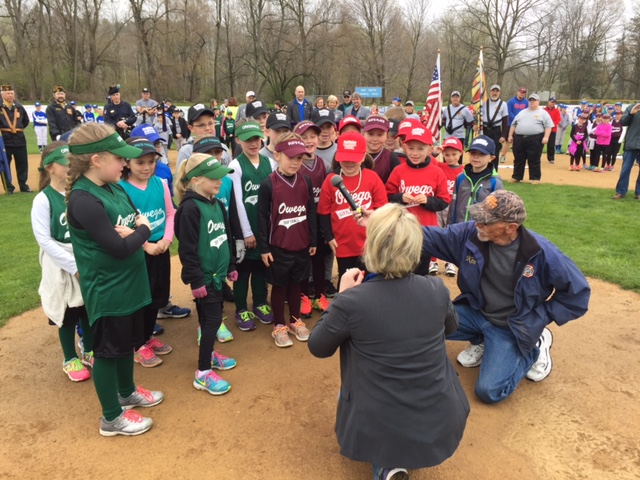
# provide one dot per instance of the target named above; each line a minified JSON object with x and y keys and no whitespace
{"x":369,"y":92}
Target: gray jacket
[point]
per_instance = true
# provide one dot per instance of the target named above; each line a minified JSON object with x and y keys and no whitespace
{"x":401,"y":402}
{"x":632,"y":122}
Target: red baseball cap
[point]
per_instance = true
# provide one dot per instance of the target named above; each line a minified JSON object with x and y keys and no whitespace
{"x":349,"y":120}
{"x":351,"y":147}
{"x":407,"y":125}
{"x":453,"y":142}
{"x":419,"y":134}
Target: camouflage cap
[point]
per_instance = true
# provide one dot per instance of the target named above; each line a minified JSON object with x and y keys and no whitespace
{"x":499,"y":206}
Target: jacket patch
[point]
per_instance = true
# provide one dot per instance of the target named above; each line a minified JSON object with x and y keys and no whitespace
{"x":528,"y":271}
{"x":472,"y":260}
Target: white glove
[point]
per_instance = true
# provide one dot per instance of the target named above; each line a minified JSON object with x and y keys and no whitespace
{"x":240,"y":250}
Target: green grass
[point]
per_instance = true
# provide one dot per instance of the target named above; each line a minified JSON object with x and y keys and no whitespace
{"x":599,"y":234}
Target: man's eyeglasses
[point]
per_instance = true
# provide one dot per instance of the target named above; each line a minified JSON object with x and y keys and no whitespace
{"x":204,"y":125}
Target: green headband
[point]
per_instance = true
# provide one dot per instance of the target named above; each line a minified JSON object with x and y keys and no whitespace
{"x":59,"y":155}
{"x":112,"y":144}
{"x":210,"y":168}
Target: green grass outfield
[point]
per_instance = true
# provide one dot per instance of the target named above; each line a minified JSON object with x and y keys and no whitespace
{"x":600,"y":235}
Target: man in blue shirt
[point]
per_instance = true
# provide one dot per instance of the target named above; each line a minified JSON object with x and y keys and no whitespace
{"x":298,"y":109}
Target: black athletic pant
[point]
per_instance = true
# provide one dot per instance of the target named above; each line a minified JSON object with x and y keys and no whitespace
{"x":614,"y":148}
{"x":594,"y":158}
{"x":209,"y":311}
{"x":494,"y":134}
{"x":22,"y":166}
{"x":527,"y":149}
{"x":551,"y":147}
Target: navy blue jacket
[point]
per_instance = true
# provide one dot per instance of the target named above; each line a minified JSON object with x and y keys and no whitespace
{"x":549,"y":286}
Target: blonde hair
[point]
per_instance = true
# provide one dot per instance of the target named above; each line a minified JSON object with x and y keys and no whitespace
{"x":44,"y":179}
{"x":79,"y":164}
{"x":332,"y":98}
{"x":183,"y":183}
{"x":394,"y":242}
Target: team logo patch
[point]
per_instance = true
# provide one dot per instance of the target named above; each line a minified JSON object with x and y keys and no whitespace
{"x":471,"y":260}
{"x":528,"y":271}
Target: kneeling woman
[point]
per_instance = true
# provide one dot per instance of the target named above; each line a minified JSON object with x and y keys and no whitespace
{"x":401,"y":404}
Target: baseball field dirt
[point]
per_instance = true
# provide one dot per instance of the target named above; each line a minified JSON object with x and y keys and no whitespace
{"x":277,"y":421}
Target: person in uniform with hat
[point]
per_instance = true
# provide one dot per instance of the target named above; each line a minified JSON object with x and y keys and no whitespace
{"x":119,"y":113}
{"x":60,"y":115}
{"x":88,"y":116}
{"x":13,"y":121}
{"x":39,"y":119}
{"x":456,"y":118}
{"x":495,"y":121}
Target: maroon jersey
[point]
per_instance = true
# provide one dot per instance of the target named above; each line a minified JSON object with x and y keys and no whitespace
{"x":616,"y":130}
{"x":383,"y":163}
{"x":316,"y":173}
{"x":289,"y":222}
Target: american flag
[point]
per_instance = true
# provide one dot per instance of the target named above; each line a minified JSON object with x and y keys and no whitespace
{"x":433,"y":105}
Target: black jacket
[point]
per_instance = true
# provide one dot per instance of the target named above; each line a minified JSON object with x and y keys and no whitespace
{"x":61,"y":118}
{"x":294,"y":114}
{"x":186,"y":228}
{"x":16,"y":139}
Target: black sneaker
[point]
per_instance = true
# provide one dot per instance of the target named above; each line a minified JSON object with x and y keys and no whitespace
{"x":227,"y":293}
{"x":329,"y":290}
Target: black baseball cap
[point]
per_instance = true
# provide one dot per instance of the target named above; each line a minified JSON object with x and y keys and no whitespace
{"x":277,"y":120}
{"x":322,"y":116}
{"x":256,"y":108}
{"x":206,"y":144}
{"x":346,"y":93}
{"x":196,"y":111}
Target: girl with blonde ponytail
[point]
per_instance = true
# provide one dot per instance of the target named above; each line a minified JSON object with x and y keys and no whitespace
{"x":205,"y":250}
{"x":107,"y":235}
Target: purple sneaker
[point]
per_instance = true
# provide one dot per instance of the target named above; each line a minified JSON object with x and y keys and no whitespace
{"x":264,"y":313}
{"x":244,"y":320}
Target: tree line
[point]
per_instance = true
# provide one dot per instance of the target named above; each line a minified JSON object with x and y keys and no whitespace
{"x":190,"y":50}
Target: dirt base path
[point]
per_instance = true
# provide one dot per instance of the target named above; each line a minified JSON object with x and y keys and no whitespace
{"x":277,"y":421}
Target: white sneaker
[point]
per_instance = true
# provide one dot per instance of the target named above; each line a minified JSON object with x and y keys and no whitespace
{"x":450,"y":270}
{"x":434,"y":269}
{"x":397,"y":474}
{"x":542,"y":368}
{"x":471,"y":356}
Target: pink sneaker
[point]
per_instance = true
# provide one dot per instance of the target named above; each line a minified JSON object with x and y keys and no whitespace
{"x":75,"y":370}
{"x":158,"y":347}
{"x":146,"y":357}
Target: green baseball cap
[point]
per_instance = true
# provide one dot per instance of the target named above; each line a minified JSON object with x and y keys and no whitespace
{"x":112,"y":144}
{"x":249,"y":130}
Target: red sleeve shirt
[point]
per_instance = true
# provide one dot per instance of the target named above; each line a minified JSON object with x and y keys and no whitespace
{"x":451,"y":173}
{"x":429,"y":180}
{"x":368,"y":192}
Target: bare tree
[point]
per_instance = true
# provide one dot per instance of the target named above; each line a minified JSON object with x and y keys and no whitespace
{"x":376,"y":19}
{"x":508,"y":26}
{"x":416,"y":17}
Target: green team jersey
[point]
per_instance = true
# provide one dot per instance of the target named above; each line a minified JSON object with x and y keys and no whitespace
{"x":252,"y":177}
{"x":59,"y":225}
{"x":111,"y":287}
{"x":213,"y":244}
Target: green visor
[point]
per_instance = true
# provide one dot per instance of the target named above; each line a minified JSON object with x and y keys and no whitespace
{"x":112,"y":144}
{"x":210,"y":168}
{"x":59,"y":155}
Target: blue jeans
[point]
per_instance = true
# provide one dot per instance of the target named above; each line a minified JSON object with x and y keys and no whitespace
{"x":503,"y":365}
{"x":629,"y":157}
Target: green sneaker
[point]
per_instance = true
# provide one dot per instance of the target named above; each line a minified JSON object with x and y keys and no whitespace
{"x":223,"y":335}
